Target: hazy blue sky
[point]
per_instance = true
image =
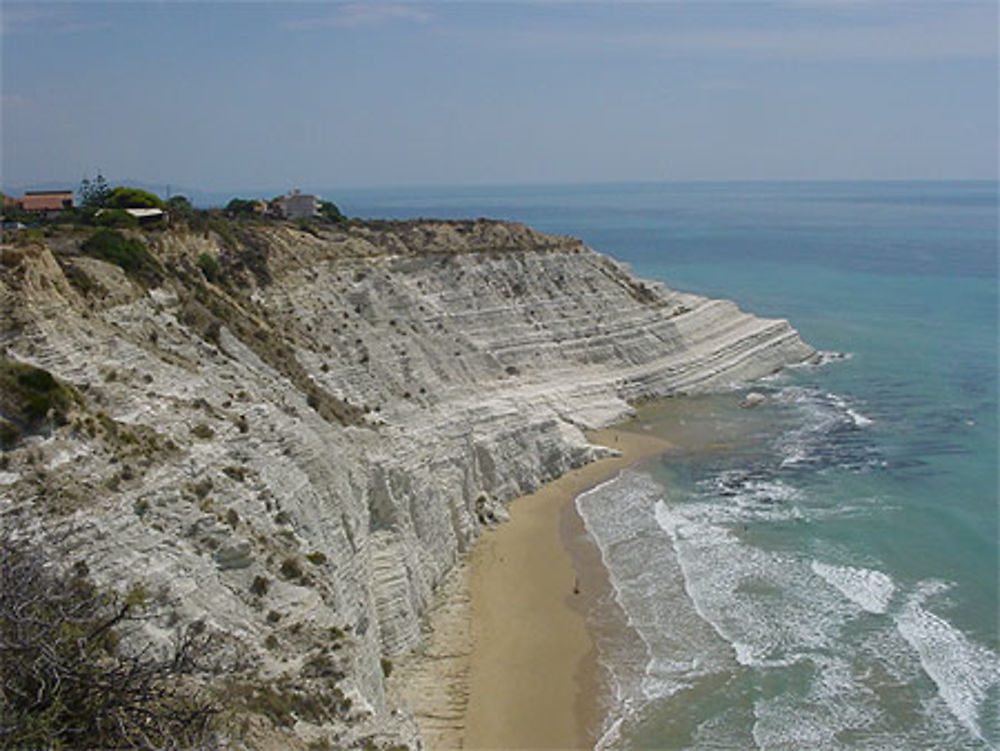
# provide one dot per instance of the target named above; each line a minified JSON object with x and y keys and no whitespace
{"x":242,"y":95}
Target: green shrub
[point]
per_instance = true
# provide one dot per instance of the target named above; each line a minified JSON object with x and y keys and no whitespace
{"x":291,"y":568}
{"x":242,"y":206}
{"x":386,"y":666}
{"x":306,"y":226}
{"x":209,"y":267}
{"x":235,"y":472}
{"x":260,"y":586}
{"x":329,"y":211}
{"x":115,"y":218}
{"x":202,"y":487}
{"x":10,"y":434}
{"x":179,"y":207}
{"x":28,"y":397}
{"x":125,"y":252}
{"x":203,"y":431}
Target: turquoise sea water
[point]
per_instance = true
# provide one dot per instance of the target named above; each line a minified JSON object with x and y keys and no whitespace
{"x":820,"y":571}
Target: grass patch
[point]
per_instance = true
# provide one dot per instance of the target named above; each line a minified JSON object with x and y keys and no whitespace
{"x":29,"y":398}
{"x":209,"y":267}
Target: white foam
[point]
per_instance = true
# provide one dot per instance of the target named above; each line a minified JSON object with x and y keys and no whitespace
{"x":963,"y":671}
{"x":764,"y":604}
{"x":744,"y":653}
{"x":821,"y":416}
{"x":795,"y":455}
{"x":611,"y":735}
{"x":823,"y":358}
{"x":647,"y":586}
{"x":857,"y":418}
{"x":833,"y":702}
{"x":868,"y":589}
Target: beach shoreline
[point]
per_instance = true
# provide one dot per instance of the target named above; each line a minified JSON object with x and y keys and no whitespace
{"x":509,"y":661}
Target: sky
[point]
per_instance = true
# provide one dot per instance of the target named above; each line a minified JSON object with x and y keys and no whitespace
{"x":225,"y":95}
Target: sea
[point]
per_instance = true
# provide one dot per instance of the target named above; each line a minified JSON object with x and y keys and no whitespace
{"x":819,"y":571}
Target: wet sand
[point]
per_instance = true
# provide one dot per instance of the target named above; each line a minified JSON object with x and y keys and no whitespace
{"x":531,"y":675}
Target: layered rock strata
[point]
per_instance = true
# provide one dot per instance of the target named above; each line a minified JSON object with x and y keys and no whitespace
{"x":299,"y":450}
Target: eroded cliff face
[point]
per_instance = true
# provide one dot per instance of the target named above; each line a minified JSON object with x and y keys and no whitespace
{"x":300,"y":449}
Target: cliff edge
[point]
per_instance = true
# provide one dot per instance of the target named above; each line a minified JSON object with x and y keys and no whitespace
{"x":293,"y":434}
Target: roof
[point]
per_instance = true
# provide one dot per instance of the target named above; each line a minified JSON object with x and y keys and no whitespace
{"x":144,"y":213}
{"x":48,"y":192}
{"x":48,"y":201}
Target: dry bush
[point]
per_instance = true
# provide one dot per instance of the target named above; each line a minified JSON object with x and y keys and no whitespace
{"x":66,"y":680}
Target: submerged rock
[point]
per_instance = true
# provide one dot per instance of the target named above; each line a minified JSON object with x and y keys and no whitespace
{"x":753,"y":399}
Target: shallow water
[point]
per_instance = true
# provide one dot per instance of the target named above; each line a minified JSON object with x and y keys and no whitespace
{"x":755,"y":563}
{"x":820,"y":571}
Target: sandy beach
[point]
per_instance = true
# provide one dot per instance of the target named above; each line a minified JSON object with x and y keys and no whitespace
{"x":508,"y":662}
{"x":532,"y":672}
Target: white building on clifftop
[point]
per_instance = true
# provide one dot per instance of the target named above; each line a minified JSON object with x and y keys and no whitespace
{"x":298,"y":205}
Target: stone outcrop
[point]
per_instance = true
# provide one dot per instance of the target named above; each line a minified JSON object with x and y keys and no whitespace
{"x":299,"y":450}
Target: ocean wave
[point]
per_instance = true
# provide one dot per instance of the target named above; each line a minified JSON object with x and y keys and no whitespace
{"x":966,"y":674}
{"x":648,"y":588}
{"x":751,"y":495}
{"x":765,"y":605}
{"x":870,"y":590}
{"x":828,"y":432}
{"x":833,"y":703}
{"x":791,"y":615}
{"x":822,"y":655}
{"x":859,"y":420}
{"x":822,"y":358}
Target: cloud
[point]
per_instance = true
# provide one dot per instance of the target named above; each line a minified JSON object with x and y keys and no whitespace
{"x":36,"y":19}
{"x":358,"y":15}
{"x":14,"y":100}
{"x":13,"y":20}
{"x":874,"y":32}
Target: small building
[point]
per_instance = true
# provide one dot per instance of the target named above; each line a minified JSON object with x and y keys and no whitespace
{"x":142,"y":216}
{"x":46,"y":201}
{"x":298,"y":205}
{"x":146,"y":216}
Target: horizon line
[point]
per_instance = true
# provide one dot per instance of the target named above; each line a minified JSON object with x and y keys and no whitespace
{"x":250,"y":191}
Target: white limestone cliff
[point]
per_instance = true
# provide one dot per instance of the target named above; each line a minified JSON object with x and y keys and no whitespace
{"x":465,"y":358}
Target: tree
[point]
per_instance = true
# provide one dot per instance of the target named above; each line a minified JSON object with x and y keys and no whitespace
{"x":93,"y":194}
{"x":132,"y":198}
{"x":329,"y":211}
{"x":179,"y":206}
{"x":66,"y":679}
{"x":243,"y":207}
